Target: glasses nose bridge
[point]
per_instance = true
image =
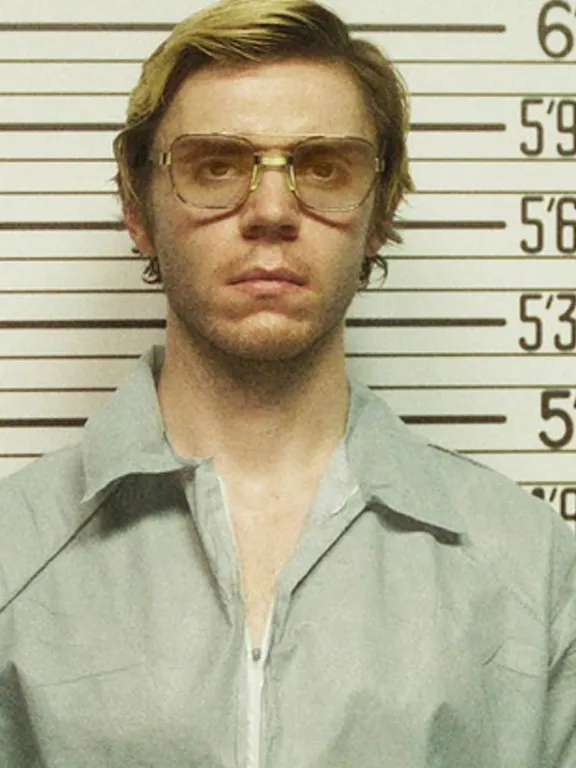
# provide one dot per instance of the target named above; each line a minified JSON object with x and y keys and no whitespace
{"x":274,"y":160}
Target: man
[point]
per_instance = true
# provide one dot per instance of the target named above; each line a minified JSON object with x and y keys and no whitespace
{"x":249,"y":561}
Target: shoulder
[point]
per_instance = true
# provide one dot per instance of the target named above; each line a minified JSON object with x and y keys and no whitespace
{"x":452,"y":487}
{"x":57,"y":476}
{"x":39,"y":509}
{"x":520,"y":539}
{"x":485,"y":496}
{"x":518,"y":535}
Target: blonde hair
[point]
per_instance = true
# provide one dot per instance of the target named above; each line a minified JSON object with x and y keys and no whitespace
{"x":252,"y":31}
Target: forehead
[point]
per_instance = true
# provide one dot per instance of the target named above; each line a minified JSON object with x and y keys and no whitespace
{"x":294,"y":97}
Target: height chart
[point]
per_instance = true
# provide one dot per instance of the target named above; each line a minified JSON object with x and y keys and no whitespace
{"x":472,"y":336}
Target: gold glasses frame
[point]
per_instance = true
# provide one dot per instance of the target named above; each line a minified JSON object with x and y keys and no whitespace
{"x":271,"y":159}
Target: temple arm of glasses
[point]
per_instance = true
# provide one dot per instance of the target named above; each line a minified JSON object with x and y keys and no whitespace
{"x":160,"y":158}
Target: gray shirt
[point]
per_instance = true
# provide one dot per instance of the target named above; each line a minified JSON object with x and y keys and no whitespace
{"x":426,"y":620}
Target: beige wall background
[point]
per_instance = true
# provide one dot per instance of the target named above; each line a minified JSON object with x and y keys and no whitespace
{"x":472,"y":338}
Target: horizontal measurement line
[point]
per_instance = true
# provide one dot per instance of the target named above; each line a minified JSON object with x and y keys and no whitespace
{"x":439,"y":160}
{"x":458,"y":28}
{"x":81,"y":127}
{"x":59,"y":160}
{"x":60,"y":225}
{"x":451,"y":224}
{"x":385,"y":290}
{"x":70,"y":192}
{"x":41,"y":423}
{"x":408,"y":289}
{"x":34,"y":358}
{"x":70,"y":60}
{"x":112,"y":193}
{"x":118,"y":225}
{"x":54,"y":390}
{"x":487,"y":192}
{"x":477,"y":257}
{"x":458,"y":127}
{"x":487,"y":62}
{"x":82,"y":94}
{"x":525,"y":160}
{"x":434,"y":355}
{"x":550,"y":483}
{"x":29,"y":325}
{"x":424,"y":322}
{"x":517,"y":451}
{"x":20,"y":455}
{"x":167,"y":27}
{"x":359,"y":322}
{"x":84,"y":27}
{"x":350,"y":355}
{"x":489,"y":94}
{"x":82,"y":291}
{"x":414,"y":159}
{"x":426,"y":62}
{"x":415,"y":94}
{"x":463,"y":387}
{"x":77,"y":127}
{"x":456,"y":419}
{"x":66,"y":259}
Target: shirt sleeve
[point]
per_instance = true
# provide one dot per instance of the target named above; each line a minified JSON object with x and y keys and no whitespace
{"x":560,"y":720}
{"x":17,"y":743}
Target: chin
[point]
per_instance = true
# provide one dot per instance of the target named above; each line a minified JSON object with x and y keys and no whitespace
{"x":267,"y":350}
{"x":264,"y":339}
{"x":273,"y":344}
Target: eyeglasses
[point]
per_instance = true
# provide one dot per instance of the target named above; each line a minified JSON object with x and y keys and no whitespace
{"x":219,"y":171}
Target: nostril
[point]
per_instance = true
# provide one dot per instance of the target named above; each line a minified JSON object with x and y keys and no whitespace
{"x":271,"y":232}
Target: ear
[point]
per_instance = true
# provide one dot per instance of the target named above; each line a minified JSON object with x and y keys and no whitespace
{"x":136,"y":226}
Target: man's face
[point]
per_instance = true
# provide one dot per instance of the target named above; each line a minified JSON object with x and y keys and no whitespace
{"x":207,"y":258}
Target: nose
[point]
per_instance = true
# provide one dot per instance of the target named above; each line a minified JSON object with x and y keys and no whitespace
{"x":271,"y":208}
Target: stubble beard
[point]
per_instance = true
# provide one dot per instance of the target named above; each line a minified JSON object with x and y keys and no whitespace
{"x":260,"y":354}
{"x":256,"y":347}
{"x":263,"y":347}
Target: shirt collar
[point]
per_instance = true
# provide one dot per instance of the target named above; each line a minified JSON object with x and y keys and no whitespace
{"x":393,"y":467}
{"x":126,"y":436}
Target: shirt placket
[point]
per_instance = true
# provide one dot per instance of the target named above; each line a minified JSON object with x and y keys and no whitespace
{"x":327,"y":523}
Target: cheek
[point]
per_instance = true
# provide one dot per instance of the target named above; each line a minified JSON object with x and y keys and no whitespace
{"x":169,"y":223}
{"x":191,"y":231}
{"x":354,"y":245}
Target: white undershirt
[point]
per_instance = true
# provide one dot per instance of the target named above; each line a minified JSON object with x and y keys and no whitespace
{"x":255,"y":661}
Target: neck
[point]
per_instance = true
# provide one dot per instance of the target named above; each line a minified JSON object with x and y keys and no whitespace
{"x":261,"y":417}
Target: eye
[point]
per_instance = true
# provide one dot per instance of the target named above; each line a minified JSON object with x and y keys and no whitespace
{"x":218,"y":167}
{"x":323,"y":169}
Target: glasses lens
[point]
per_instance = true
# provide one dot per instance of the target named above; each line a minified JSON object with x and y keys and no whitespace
{"x":211,"y":171}
{"x":334,"y":174}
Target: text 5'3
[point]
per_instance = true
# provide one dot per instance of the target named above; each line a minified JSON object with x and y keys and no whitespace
{"x":549,"y":320}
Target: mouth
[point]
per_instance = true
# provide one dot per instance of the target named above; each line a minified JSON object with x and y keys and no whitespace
{"x":272,"y":284}
{"x":269,"y":276}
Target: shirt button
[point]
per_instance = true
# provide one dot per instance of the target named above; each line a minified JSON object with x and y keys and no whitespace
{"x":256,"y":654}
